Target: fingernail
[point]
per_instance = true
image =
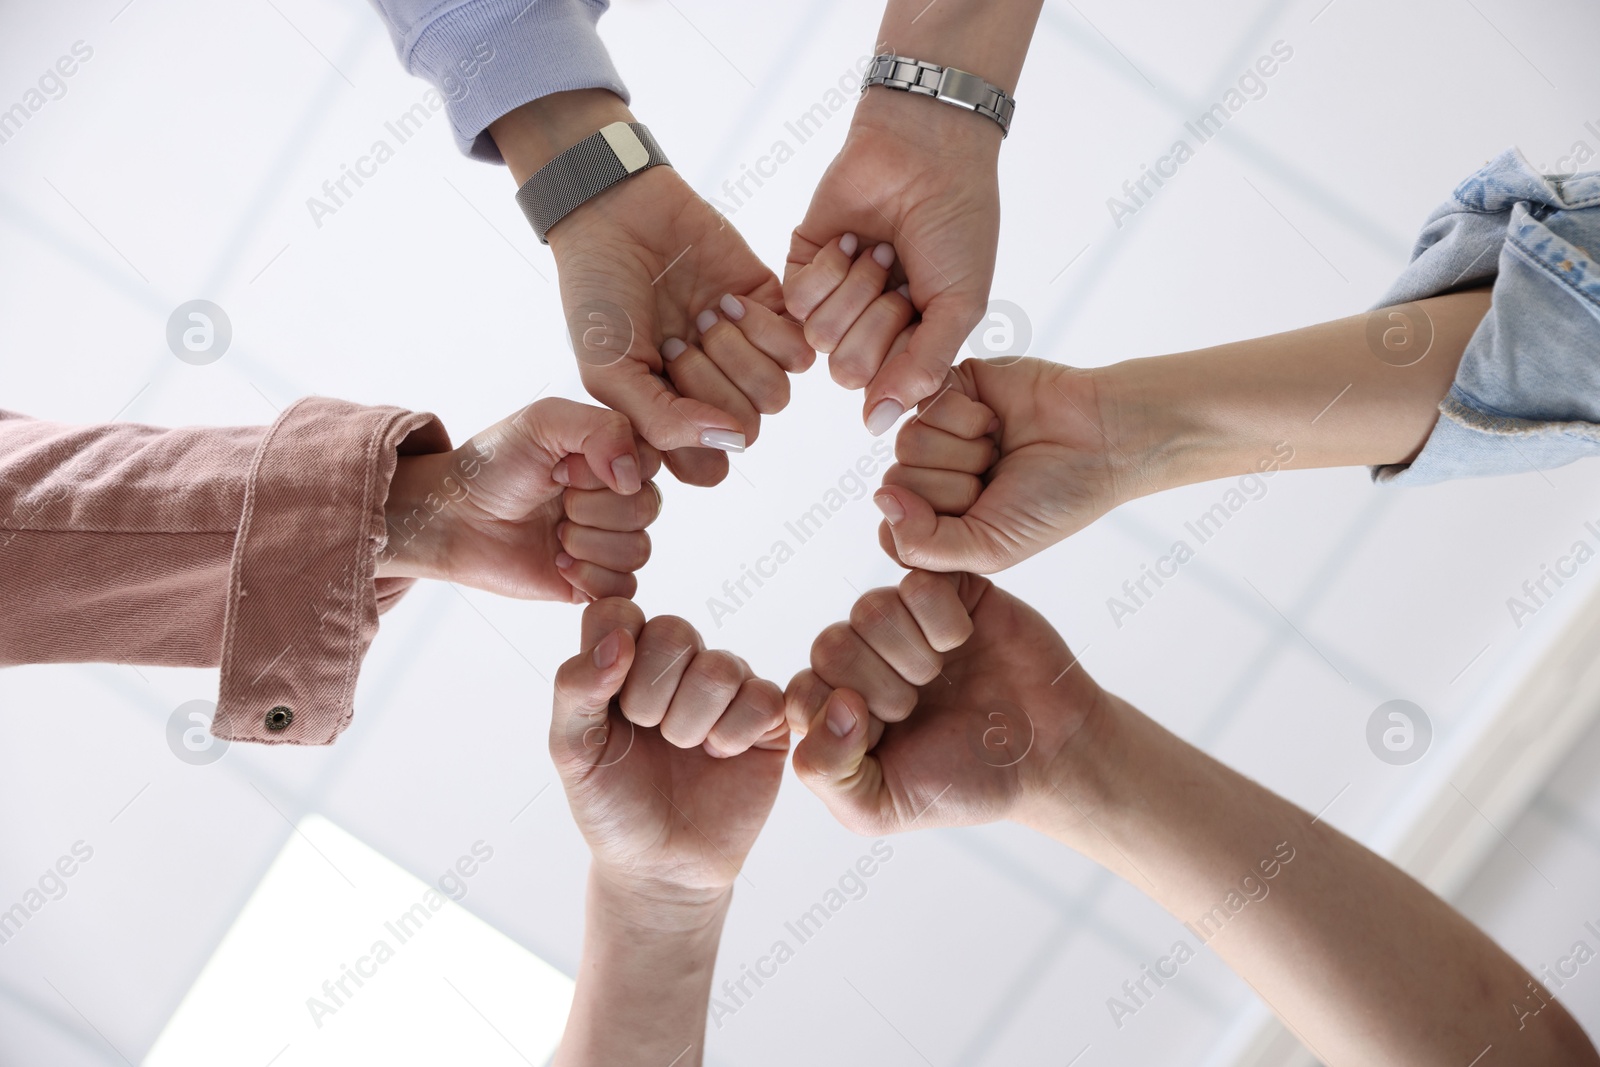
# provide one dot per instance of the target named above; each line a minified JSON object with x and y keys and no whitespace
{"x":672,"y":349}
{"x":848,"y":244}
{"x":994,"y":424}
{"x":564,"y":561}
{"x":890,"y":507}
{"x":605,"y":653}
{"x":731,"y":307}
{"x":885,"y":415}
{"x":725,"y":440}
{"x":559,"y":473}
{"x":841,"y":720}
{"x":625,"y":470}
{"x":883,"y":256}
{"x":905,"y":290}
{"x":705,"y":320}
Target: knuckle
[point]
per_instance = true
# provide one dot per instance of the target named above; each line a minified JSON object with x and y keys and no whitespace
{"x":672,"y":634}
{"x":899,"y":474}
{"x":643,"y":548}
{"x":637,"y":710}
{"x":614,"y":423}
{"x":614,"y":612}
{"x":910,"y":444}
{"x":540,"y":410}
{"x":873,"y":608}
{"x":899,"y":706}
{"x":811,"y":769}
{"x":765,"y":700}
{"x":678,"y":736}
{"x":771,"y":397}
{"x":924,"y":669}
{"x":922,"y":380}
{"x":835,"y":650}
{"x":923,"y":591}
{"x":848,"y":371}
{"x":720,"y":670}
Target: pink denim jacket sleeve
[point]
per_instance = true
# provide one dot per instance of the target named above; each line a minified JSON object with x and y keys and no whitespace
{"x":252,"y":548}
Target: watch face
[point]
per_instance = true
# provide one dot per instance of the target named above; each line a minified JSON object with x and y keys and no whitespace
{"x":630,"y":151}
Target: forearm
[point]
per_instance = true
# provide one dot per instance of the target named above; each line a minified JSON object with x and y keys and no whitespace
{"x":1323,"y":390}
{"x":1329,"y":934}
{"x":988,"y":38}
{"x":644,"y":982}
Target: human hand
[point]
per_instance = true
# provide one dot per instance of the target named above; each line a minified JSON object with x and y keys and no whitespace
{"x":671,"y":755}
{"x":691,"y":376}
{"x":644,"y":269}
{"x":921,"y":178}
{"x":943,"y":702}
{"x":1014,"y":456}
{"x":549,"y":504}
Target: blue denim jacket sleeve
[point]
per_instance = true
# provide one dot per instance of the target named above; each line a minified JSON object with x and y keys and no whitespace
{"x":1527,"y":394}
{"x":488,"y":57}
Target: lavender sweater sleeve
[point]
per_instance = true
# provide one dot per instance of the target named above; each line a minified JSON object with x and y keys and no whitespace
{"x":488,"y":57}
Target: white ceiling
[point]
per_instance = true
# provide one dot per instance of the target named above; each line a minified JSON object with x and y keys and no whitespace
{"x":178,"y":165}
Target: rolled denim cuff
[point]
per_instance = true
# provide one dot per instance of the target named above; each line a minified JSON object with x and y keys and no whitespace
{"x":1527,"y":394}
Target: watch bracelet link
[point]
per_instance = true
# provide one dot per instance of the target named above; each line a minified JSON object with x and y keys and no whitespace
{"x":947,"y":84}
{"x":586,"y":170}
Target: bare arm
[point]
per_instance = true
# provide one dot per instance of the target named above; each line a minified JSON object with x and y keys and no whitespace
{"x":1063,"y":446}
{"x":1356,"y":391}
{"x":1361,"y":962}
{"x":645,"y":980}
{"x":906,"y":720}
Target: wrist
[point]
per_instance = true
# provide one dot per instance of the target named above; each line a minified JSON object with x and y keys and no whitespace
{"x":938,"y":128}
{"x":1077,"y":783}
{"x":416,"y":519}
{"x":988,"y":38}
{"x":1168,"y":429}
{"x":654,"y":909}
{"x":535,"y":133}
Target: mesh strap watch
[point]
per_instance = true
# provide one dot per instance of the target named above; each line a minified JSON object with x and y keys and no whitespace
{"x":943,"y":83}
{"x":586,"y":170}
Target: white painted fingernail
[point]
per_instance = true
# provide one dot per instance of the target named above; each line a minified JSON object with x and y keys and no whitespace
{"x":885,"y":415}
{"x":724,"y":440}
{"x":905,"y":290}
{"x":705,"y":320}
{"x":848,"y":244}
{"x":883,"y":256}
{"x":672,"y":349}
{"x":731,"y":307}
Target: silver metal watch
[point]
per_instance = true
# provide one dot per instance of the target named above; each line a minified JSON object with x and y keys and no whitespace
{"x":943,"y":83}
{"x":586,"y":170}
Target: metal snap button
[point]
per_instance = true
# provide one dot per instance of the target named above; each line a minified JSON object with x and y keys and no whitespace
{"x":279,"y":718}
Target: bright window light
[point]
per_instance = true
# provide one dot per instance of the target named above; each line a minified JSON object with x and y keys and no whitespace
{"x":340,"y":957}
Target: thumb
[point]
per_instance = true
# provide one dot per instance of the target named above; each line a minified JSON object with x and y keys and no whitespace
{"x":918,"y":371}
{"x":832,"y":760}
{"x":926,"y":541}
{"x":602,"y":437}
{"x":586,"y":683}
